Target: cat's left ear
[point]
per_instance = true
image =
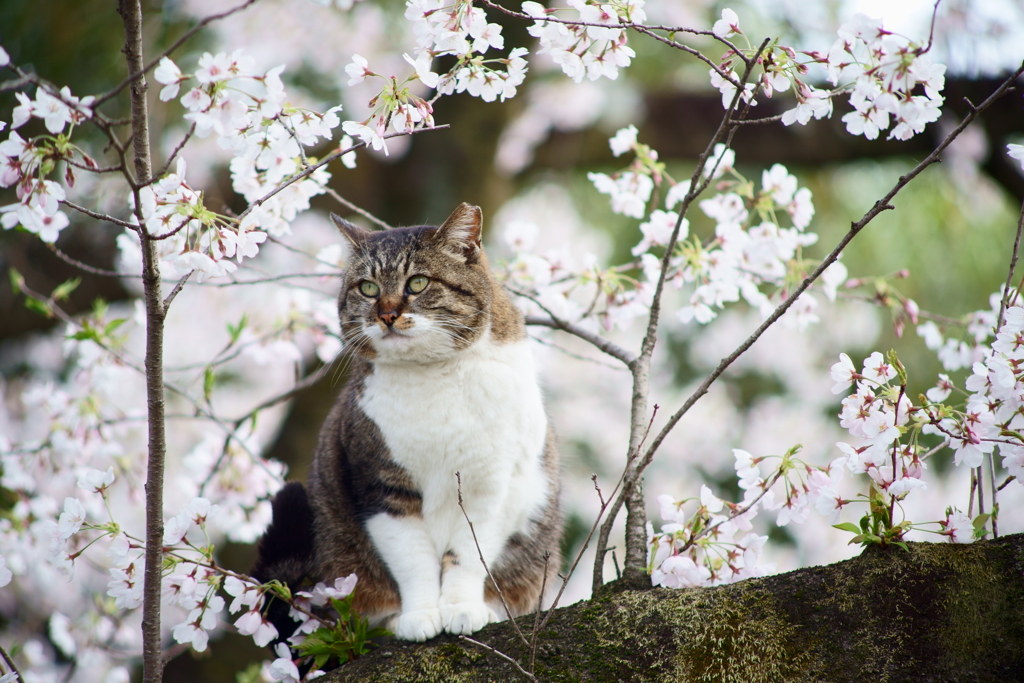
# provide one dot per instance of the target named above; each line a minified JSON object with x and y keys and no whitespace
{"x":460,"y":234}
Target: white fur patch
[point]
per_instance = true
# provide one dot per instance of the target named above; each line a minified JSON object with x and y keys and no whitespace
{"x":480,"y":413}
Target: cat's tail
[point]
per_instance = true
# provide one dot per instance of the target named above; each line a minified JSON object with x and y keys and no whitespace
{"x":285,"y":552}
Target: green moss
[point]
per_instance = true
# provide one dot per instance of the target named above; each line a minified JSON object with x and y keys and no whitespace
{"x":938,"y":612}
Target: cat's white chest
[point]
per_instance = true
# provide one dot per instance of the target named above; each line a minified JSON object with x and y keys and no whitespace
{"x":479,"y":414}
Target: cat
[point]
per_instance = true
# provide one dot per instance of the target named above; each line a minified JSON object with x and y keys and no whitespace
{"x":441,"y":382}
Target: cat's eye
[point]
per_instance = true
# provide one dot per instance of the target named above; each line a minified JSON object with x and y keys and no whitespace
{"x":417,"y":284}
{"x":369,"y":288}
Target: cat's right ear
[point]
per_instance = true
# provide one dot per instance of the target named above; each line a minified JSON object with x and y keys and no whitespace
{"x":354,"y":235}
{"x":353,"y":232}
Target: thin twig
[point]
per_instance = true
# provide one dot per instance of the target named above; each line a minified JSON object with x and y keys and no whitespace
{"x":1004,"y":299}
{"x":358,"y":209}
{"x":635,"y":553}
{"x":10,"y":664}
{"x":758,"y":122}
{"x":995,"y":507}
{"x":99,"y":216}
{"x":177,"y":288}
{"x":577,"y":356}
{"x":515,"y":624}
{"x":981,"y":490}
{"x":970,"y":502}
{"x":174,"y":154}
{"x":93,"y":169}
{"x":82,"y":266}
{"x":1007,"y":482}
{"x":500,"y":654}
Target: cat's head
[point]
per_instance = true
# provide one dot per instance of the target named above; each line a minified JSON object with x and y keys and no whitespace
{"x":419,"y":294}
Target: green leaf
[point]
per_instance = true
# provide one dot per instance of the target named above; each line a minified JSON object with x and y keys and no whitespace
{"x":902,"y":545}
{"x":113,"y":325}
{"x":17,"y":281}
{"x":847,"y":526}
{"x":980,"y":521}
{"x":209,"y":380}
{"x":236,"y":330}
{"x":84,"y":335}
{"x":251,"y":674}
{"x":63,"y":290}
{"x":38,"y":306}
{"x":99,"y":308}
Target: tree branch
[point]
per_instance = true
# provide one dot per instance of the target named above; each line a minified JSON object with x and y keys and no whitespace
{"x":99,"y":216}
{"x":358,"y":209}
{"x":855,"y":228}
{"x":635,"y":560}
{"x":605,"y":345}
{"x":152,"y":661}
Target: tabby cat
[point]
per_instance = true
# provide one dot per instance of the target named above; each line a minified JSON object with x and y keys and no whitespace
{"x":441,"y":381}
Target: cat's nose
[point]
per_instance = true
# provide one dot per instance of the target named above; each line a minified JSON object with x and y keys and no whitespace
{"x":389,"y":317}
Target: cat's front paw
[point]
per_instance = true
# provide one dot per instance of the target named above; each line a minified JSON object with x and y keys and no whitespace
{"x":418,"y":625}
{"x":465,"y":617}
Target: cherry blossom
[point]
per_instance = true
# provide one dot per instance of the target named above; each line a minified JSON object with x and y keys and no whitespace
{"x":623,"y":141}
{"x":168,"y":73}
{"x":96,"y":481}
{"x":957,"y":526}
{"x":283,"y":668}
{"x":254,"y":623}
{"x":727,"y":25}
{"x":1016,"y":152}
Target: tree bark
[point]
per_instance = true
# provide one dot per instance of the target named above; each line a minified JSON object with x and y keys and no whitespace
{"x":152,"y":664}
{"x":938,"y":613}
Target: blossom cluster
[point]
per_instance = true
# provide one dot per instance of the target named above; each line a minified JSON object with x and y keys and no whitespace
{"x":885,"y":69}
{"x":28,"y":164}
{"x":875,"y":414}
{"x":441,"y":28}
{"x":889,"y":427}
{"x":993,"y":413}
{"x":749,"y":248}
{"x":882,"y":70}
{"x":248,"y":112}
{"x":716,"y":543}
{"x":593,"y":48}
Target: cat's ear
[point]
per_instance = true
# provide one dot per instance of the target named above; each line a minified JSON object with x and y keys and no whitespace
{"x":460,"y":234}
{"x":355,"y":236}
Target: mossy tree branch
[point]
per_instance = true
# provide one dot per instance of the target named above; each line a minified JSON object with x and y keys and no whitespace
{"x":940,"y":612}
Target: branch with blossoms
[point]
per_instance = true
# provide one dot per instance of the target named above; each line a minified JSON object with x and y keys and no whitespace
{"x":192,"y":581}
